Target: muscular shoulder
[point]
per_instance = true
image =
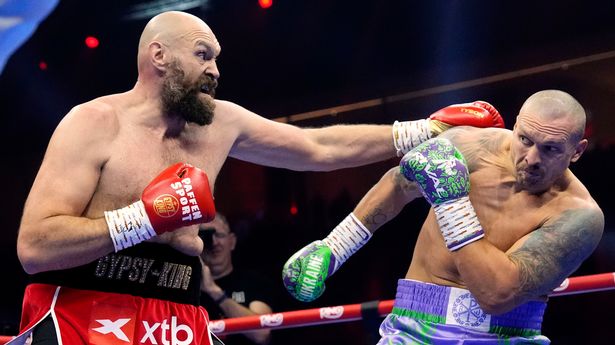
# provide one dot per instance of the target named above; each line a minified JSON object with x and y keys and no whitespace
{"x":229,"y":111}
{"x":557,"y":248}
{"x":242,"y":121}
{"x":94,"y":119}
{"x":574,"y":207}
{"x":233,"y":113}
{"x":85,"y":133}
{"x":480,"y":145}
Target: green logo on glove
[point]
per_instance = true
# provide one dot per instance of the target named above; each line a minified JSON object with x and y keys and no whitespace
{"x":304,"y":274}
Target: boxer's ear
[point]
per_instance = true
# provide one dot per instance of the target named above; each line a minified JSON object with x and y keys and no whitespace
{"x":578,"y":150}
{"x":157,"y":55}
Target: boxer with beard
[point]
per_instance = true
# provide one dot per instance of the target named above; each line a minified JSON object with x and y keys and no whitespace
{"x":109,"y":233}
{"x":179,"y":99}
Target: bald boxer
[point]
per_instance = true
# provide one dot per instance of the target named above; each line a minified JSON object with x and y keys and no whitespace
{"x":107,"y":265}
{"x":509,"y":223}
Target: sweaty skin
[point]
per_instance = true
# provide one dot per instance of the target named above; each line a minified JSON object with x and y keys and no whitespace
{"x":523,"y":225}
{"x":540,"y":222}
{"x":105,"y":152}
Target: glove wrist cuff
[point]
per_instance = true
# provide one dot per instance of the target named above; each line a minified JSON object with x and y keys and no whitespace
{"x":409,"y":134}
{"x":346,"y":239}
{"x":458,"y":223}
{"x":129,"y":225}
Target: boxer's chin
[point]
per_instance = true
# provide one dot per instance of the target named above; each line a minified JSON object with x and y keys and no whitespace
{"x":192,"y":102}
{"x":196,"y":107}
{"x":208,"y":107}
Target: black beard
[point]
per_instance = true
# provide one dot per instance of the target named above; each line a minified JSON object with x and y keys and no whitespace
{"x":185,"y":100}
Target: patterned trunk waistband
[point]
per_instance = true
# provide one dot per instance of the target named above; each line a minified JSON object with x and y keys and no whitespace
{"x":455,"y":306}
{"x":148,"y":270}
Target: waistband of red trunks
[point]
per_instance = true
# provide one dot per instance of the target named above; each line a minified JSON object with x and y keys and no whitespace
{"x":147,"y":270}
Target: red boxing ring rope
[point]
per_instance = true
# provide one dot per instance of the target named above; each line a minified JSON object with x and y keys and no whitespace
{"x":352,"y":312}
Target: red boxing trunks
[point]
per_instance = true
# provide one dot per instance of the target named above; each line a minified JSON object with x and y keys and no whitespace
{"x":146,"y":294}
{"x":92,"y":317}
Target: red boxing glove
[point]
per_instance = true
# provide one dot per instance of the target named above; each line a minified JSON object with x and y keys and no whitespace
{"x":476,"y":114}
{"x":409,"y":134}
{"x":179,"y":196}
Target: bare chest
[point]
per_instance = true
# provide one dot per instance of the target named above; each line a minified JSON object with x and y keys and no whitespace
{"x":136,"y":159}
{"x":505,"y":215}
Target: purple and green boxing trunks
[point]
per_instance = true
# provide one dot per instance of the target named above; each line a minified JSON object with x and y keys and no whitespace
{"x":425,"y":313}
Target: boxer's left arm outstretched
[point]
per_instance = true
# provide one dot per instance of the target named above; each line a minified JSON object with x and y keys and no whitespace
{"x":282,"y":145}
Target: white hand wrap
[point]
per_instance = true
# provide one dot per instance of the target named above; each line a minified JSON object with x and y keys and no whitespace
{"x":409,"y":134}
{"x":129,"y":225}
{"x":458,"y":223}
{"x":347,"y":237}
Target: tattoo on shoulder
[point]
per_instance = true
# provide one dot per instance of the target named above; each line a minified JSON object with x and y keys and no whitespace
{"x":476,"y":144}
{"x":554,"y":251}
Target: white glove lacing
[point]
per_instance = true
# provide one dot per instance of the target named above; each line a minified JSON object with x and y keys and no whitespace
{"x":129,"y":225}
{"x":347,"y":237}
{"x":458,"y":223}
{"x":409,"y":134}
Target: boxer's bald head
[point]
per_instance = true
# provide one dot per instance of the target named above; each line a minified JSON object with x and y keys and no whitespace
{"x":174,"y":27}
{"x":556,"y":105}
{"x":175,"y":30}
{"x":177,"y":59}
{"x":547,"y":137}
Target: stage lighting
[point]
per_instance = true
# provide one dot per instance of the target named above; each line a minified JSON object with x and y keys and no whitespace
{"x":91,"y":42}
{"x":265,"y":3}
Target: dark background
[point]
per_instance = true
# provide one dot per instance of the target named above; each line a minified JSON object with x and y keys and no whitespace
{"x":411,"y":57}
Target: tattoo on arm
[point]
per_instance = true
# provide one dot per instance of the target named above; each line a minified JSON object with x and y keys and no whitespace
{"x":551,"y":253}
{"x":386,"y":199}
{"x":375,"y":217}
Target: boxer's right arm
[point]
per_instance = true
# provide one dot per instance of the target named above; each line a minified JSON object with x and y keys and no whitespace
{"x":305,"y":272}
{"x":179,"y":196}
{"x":53,"y":234}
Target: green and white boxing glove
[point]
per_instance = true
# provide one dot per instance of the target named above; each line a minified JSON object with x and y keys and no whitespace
{"x":305,"y":272}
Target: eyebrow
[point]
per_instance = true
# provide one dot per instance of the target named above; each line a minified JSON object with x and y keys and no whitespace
{"x":526,"y":133}
{"x":202,"y":43}
{"x":547,"y":142}
{"x":553,"y":143}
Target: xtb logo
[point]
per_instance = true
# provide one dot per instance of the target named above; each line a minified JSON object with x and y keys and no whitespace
{"x":114,"y":327}
{"x":179,"y":334}
{"x":111,"y":324}
{"x":157,"y":333}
